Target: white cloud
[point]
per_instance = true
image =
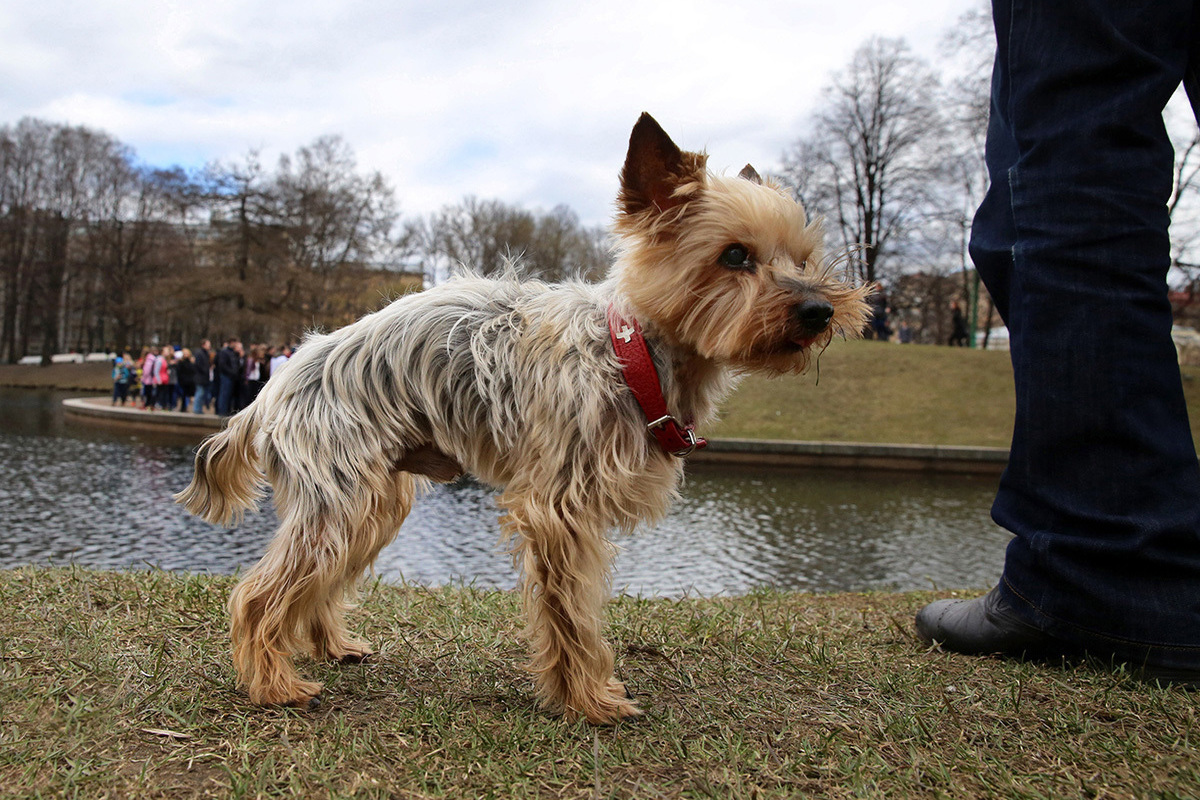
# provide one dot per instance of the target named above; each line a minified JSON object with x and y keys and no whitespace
{"x":531,"y":102}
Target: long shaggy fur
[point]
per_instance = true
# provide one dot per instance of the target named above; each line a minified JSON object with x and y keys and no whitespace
{"x":516,"y":383}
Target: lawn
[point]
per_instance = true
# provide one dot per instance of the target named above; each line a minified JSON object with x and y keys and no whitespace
{"x":119,"y":685}
{"x":881,"y":393}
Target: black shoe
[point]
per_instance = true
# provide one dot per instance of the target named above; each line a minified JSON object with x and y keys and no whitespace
{"x":988,"y":626}
{"x":981,"y":626}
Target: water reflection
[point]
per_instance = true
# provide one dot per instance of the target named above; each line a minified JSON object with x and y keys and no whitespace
{"x":72,"y":492}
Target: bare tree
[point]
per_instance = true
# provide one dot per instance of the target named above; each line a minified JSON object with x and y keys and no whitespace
{"x":481,"y":235}
{"x":23,"y":180}
{"x":562,"y":248}
{"x":50,"y":181}
{"x":246,"y":248}
{"x":332,"y":215}
{"x":141,"y":251}
{"x":289,"y":248}
{"x":489,"y":237}
{"x":871,"y":158}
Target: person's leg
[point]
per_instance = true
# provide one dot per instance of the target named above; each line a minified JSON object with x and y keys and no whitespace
{"x":1102,"y":489}
{"x":224,"y":396}
{"x":200,"y":401}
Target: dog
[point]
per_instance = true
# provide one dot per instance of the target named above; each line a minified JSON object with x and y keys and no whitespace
{"x":578,"y":401}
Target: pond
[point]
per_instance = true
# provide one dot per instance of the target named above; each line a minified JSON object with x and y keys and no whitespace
{"x":72,"y":493}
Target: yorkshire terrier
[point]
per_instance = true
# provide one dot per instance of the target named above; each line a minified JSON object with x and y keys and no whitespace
{"x":576,"y":400}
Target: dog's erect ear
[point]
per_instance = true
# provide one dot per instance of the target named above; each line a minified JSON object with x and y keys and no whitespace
{"x":654,"y":168}
{"x":751,"y":174}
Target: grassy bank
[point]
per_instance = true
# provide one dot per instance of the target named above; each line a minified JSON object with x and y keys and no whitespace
{"x":118,"y":685}
{"x":70,"y":377}
{"x":881,"y":392}
{"x":863,"y":392}
{"x":886,"y":393}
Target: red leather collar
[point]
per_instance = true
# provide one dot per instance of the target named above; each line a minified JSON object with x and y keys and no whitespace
{"x":642,"y":379}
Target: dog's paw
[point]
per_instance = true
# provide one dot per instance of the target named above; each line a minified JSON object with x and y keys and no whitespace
{"x":309,"y":698}
{"x":349,"y":652}
{"x":311,"y":704}
{"x":613,"y":712}
{"x":616,"y":705}
{"x":303,"y":695}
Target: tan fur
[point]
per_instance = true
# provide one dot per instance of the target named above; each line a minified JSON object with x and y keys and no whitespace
{"x":517,"y":384}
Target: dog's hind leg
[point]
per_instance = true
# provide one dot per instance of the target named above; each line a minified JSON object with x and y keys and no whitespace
{"x":327,"y":627}
{"x":269,"y":609}
{"x":565,"y":560}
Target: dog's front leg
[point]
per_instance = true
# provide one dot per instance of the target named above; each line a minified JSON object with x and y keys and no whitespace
{"x":565,"y":562}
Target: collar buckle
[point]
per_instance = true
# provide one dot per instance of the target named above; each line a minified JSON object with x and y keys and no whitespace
{"x":686,"y":433}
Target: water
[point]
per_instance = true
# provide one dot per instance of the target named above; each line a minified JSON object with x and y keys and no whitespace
{"x":71,"y":492}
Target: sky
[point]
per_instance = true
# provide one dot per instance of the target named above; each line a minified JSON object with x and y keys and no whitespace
{"x":527,"y":102}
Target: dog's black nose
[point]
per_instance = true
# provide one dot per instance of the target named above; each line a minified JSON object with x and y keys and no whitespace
{"x":813,"y":315}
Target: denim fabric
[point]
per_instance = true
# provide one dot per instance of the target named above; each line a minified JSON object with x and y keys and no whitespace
{"x":225,"y":396}
{"x":203,"y":397}
{"x":1102,"y":489}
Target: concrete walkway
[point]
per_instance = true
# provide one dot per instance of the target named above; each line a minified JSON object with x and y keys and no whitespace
{"x":101,"y":410}
{"x":740,"y":452}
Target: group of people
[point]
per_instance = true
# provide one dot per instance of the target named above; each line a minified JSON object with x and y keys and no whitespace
{"x":182,"y":379}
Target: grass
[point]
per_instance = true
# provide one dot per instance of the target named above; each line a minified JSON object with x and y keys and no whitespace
{"x":881,"y":392}
{"x":118,"y":685}
{"x":862,"y":392}
{"x":884,"y":393}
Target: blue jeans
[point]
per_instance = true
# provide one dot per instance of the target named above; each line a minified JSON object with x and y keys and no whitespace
{"x":1102,"y":489}
{"x":225,"y":387}
{"x":202,"y":398}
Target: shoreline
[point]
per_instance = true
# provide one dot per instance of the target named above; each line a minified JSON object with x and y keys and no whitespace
{"x":720,"y":451}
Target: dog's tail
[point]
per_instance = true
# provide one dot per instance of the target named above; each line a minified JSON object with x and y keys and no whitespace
{"x":227,"y":480}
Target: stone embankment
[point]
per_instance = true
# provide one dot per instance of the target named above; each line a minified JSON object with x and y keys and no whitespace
{"x":733,"y":452}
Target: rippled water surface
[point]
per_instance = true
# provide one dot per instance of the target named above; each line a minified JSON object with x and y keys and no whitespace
{"x":70,"y":492}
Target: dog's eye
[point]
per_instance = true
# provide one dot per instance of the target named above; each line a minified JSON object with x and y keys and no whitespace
{"x":736,"y":256}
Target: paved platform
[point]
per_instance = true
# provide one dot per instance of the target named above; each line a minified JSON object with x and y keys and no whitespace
{"x":101,"y":410}
{"x":740,"y":452}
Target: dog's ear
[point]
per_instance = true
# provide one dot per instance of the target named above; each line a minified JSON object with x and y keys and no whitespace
{"x":655,"y":168}
{"x":751,"y":174}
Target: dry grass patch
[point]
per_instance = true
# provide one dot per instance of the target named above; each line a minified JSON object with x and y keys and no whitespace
{"x":118,"y":685}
